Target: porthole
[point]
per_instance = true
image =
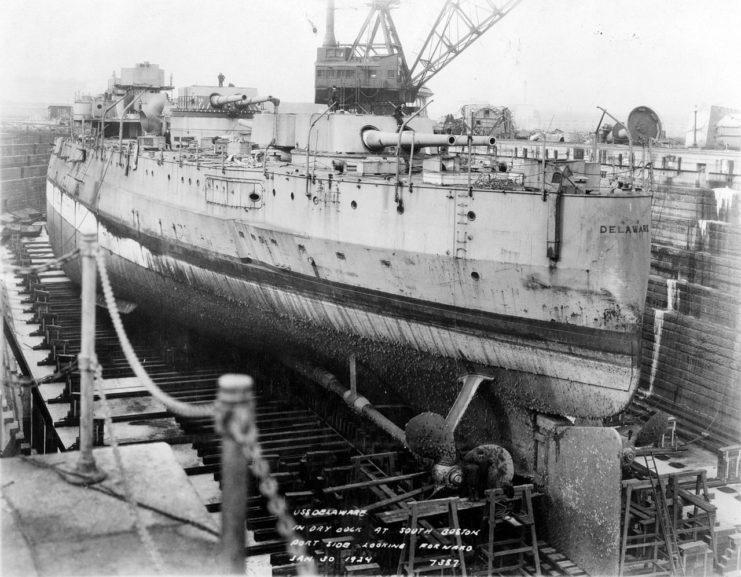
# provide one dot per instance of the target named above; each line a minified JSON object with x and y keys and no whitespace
{"x":182,"y":179}
{"x":291,"y":196}
{"x":354,"y":204}
{"x":254,"y":197}
{"x":273,"y":192}
{"x":475,"y":275}
{"x":315,"y":200}
{"x":400,"y":208}
{"x":190,"y":181}
{"x":198,"y":183}
{"x":386,"y":263}
{"x":340,"y":255}
{"x":471,"y":215}
{"x":168,"y":177}
{"x":241,"y":234}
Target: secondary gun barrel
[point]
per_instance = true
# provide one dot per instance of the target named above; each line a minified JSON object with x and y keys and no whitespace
{"x":217,"y":100}
{"x":258,"y":100}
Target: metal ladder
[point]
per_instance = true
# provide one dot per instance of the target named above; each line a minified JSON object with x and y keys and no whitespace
{"x":461,"y":223}
{"x":665,"y":524}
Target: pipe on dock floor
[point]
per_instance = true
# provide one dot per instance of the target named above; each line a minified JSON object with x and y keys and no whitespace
{"x":357,"y":403}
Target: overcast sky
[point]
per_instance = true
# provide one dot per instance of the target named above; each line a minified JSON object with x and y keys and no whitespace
{"x":565,"y":56}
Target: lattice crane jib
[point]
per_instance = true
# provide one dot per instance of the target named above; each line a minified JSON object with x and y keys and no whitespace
{"x":373,"y":73}
{"x":365,"y":45}
{"x":459,"y":24}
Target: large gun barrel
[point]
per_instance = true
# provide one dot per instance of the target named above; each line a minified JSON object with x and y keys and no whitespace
{"x":376,"y":139}
{"x":462,"y":140}
{"x":217,"y":100}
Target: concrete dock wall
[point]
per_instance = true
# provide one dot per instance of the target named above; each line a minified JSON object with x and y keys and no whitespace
{"x":691,"y":341}
{"x":24,"y":159}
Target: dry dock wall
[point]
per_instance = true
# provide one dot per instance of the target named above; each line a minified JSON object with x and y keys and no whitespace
{"x":691,"y":345}
{"x":24,"y":159}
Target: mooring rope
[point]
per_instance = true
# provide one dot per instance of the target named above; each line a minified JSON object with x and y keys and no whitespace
{"x":172,"y":404}
{"x":247,"y":438}
{"x":141,"y":527}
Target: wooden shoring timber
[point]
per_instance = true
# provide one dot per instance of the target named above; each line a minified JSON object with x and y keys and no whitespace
{"x":371,"y":483}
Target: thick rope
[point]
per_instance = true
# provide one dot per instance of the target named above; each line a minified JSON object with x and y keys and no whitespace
{"x":141,"y":528}
{"x":183,"y":409}
{"x":248,"y":439}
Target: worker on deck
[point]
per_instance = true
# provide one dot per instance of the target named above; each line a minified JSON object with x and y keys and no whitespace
{"x":332,"y":100}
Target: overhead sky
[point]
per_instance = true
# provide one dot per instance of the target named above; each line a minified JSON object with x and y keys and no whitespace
{"x":562,"y":57}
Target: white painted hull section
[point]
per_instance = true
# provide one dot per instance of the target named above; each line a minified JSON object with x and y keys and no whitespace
{"x":513,"y":354}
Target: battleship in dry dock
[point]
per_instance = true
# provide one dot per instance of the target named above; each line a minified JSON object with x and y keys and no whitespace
{"x":339,"y":237}
{"x":325,"y":233}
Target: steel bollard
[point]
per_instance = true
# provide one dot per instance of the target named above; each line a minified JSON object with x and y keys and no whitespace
{"x":233,"y":414}
{"x":86,"y":471}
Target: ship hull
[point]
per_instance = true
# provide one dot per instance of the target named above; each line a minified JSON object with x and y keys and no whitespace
{"x":329,"y":265}
{"x":418,"y":348}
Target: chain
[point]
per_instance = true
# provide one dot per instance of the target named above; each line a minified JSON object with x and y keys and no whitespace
{"x":246,"y":436}
{"x":51,"y":265}
{"x":141,"y":528}
{"x":183,"y":409}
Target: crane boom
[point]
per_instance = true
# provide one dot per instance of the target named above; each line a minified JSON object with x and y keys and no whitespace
{"x":365,"y":46}
{"x":372,"y":73}
{"x":458,"y":25}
